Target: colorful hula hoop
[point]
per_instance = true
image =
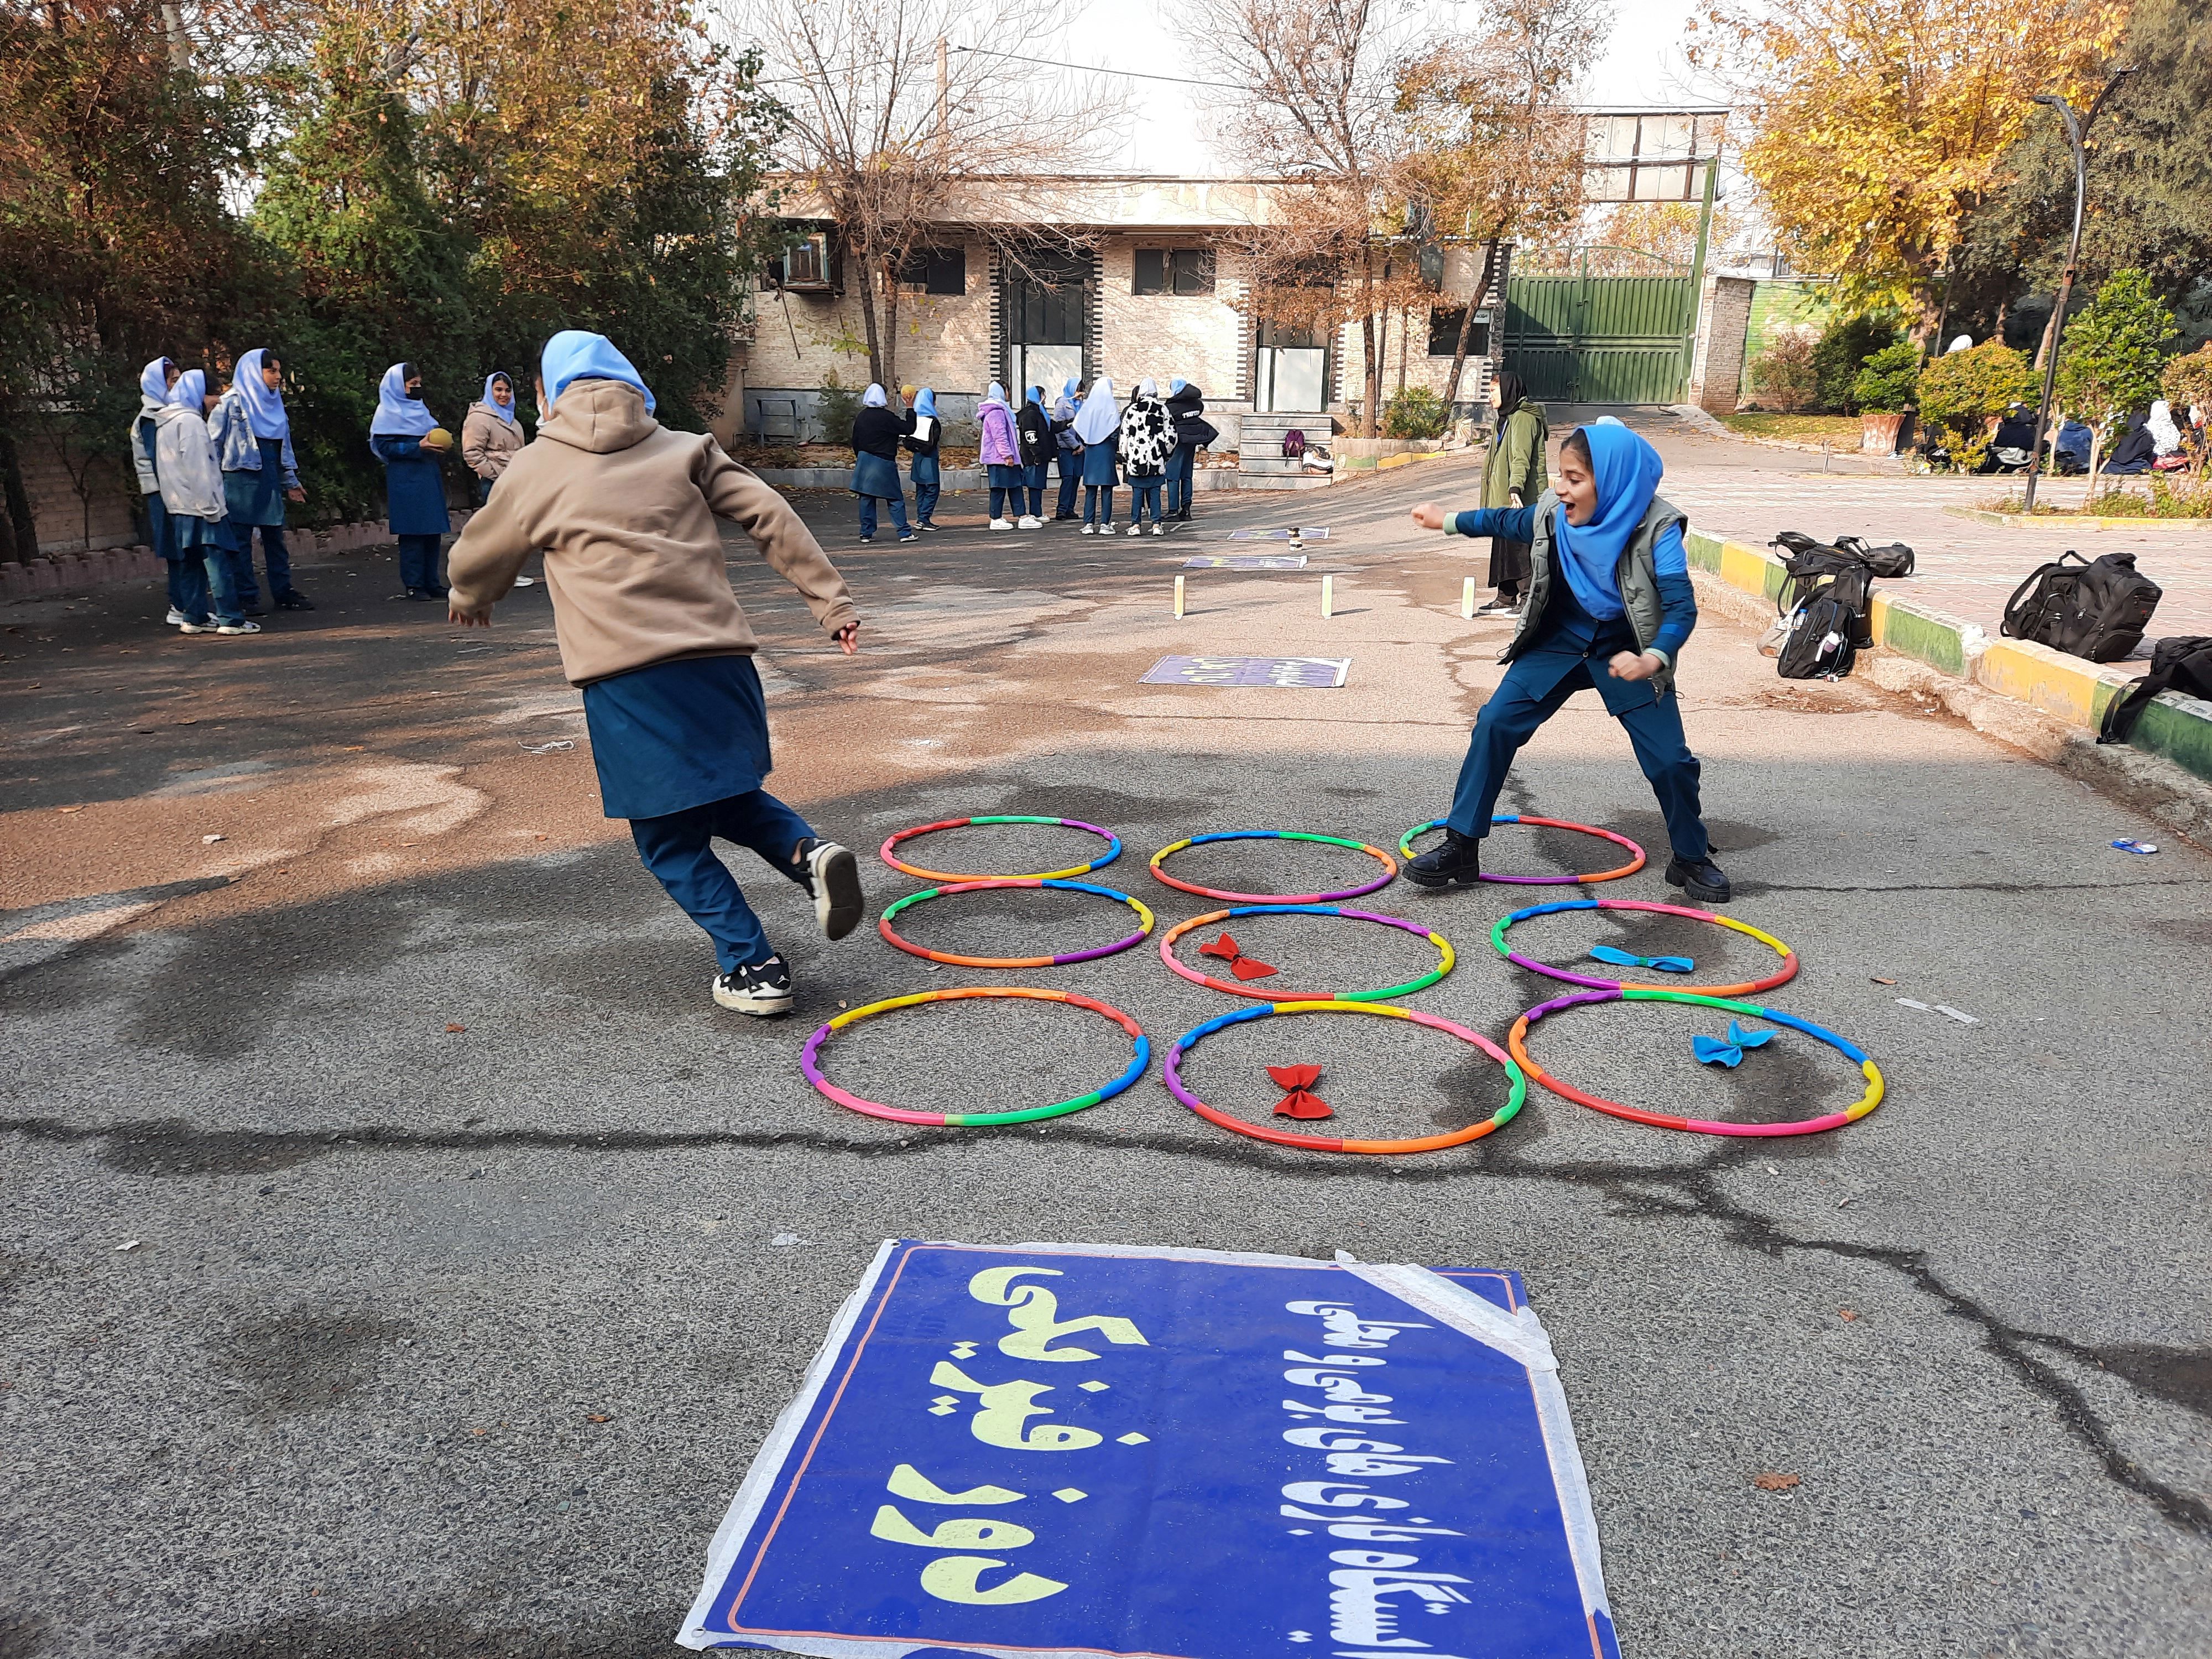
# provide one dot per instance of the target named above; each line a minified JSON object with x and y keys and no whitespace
{"x":1749,"y":987}
{"x":1171,"y":1073}
{"x":1144,"y":919}
{"x":1405,"y":849}
{"x":1389,"y":867}
{"x":1262,"y":994}
{"x":974,"y":1120}
{"x":1517,"y":1042}
{"x":1113,"y":849}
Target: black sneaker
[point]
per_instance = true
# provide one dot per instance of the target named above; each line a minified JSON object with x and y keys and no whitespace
{"x":1702,"y":881}
{"x":1500,"y":606}
{"x":254,"y":608}
{"x":760,"y":988}
{"x":1457,"y":862}
{"x":295,"y":600}
{"x":425,"y":595}
{"x":831,"y":877}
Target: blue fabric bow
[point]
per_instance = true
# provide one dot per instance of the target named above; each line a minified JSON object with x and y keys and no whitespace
{"x":1712,"y":1051}
{"x":1629,"y":959}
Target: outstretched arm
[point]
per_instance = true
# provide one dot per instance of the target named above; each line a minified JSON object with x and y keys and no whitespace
{"x":784,"y":540}
{"x":484,"y":562}
{"x":1516,"y":524}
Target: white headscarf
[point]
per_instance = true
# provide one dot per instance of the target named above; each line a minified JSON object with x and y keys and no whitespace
{"x":2162,"y":428}
{"x":1148,"y":388}
{"x":873,"y":397}
{"x":1096,"y":421}
{"x":1964,"y":343}
{"x":154,"y":386}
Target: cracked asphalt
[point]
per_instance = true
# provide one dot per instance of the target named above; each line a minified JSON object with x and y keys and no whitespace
{"x":400,"y":1255}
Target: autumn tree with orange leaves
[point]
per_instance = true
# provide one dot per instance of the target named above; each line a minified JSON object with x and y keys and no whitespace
{"x":1877,"y":126}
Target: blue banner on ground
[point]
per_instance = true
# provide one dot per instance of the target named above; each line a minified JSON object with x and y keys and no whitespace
{"x":1065,"y":1449}
{"x":1303,"y":674}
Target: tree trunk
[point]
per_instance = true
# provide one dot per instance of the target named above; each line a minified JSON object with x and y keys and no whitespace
{"x":1467,"y":324}
{"x":20,"y":529}
{"x":866,"y":273}
{"x":2096,"y":459}
{"x":890,"y":376}
{"x":2043,"y":350}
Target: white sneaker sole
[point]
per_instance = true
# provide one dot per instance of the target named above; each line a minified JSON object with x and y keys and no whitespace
{"x":759,"y":1004}
{"x":839,"y":904}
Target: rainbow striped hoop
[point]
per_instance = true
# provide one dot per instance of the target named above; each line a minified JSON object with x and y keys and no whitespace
{"x":1113,"y":849}
{"x":1405,"y":849}
{"x":1749,"y":987}
{"x":1389,"y":867}
{"x":1262,"y":994}
{"x":1143,"y":923}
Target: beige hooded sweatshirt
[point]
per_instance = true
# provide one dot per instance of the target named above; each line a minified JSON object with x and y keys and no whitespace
{"x":625,"y":510}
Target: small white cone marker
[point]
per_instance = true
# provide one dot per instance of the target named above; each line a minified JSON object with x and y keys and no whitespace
{"x":1466,"y":599}
{"x":1329,"y":596}
{"x":1178,"y":598}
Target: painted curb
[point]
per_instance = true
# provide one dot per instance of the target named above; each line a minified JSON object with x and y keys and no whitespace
{"x":2179,"y":728}
{"x":2072,"y":521}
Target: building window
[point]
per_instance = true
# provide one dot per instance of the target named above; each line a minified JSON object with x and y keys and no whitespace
{"x":1444,"y":333}
{"x":805,"y":265}
{"x":1174,"y":271}
{"x":935,"y":271}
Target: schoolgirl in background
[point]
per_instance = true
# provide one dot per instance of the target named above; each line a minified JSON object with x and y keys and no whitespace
{"x":406,"y":437}
{"x":191,"y":474}
{"x":254,"y":437}
{"x":155,"y":381}
{"x":1067,"y":451}
{"x":1148,"y":440}
{"x":1033,"y":433}
{"x":1001,"y":453}
{"x":877,"y":434}
{"x":491,"y":435}
{"x":926,"y":433}
{"x":1096,"y":425}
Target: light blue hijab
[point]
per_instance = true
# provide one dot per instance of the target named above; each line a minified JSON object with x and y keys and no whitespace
{"x":397,"y":415}
{"x":1176,"y":383}
{"x":264,"y":410}
{"x":573,"y":354}
{"x":507,"y":414}
{"x":925,"y":401}
{"x":153,"y":381}
{"x":997,"y":395}
{"x":191,"y":390}
{"x":1627,"y":471}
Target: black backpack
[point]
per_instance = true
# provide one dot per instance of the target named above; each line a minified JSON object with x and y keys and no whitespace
{"x":2094,"y":609}
{"x":2182,"y":663}
{"x":1893,"y":560}
{"x":1825,"y":598}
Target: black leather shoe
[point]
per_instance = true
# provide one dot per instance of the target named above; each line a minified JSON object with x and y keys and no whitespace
{"x":295,"y":600}
{"x":1457,"y":862}
{"x":1702,"y":881}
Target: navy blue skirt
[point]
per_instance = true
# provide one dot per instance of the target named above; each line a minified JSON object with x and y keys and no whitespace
{"x":1004,"y":477}
{"x":1099,"y":465}
{"x":678,"y":735}
{"x":875,"y":475}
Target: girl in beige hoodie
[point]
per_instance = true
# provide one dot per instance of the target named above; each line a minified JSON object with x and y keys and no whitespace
{"x":625,"y":509}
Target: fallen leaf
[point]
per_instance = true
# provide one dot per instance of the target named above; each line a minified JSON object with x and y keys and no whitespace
{"x":452,"y":1027}
{"x":68,"y":809}
{"x":1769,"y":1480}
{"x":476,"y":1431}
{"x":596,"y":1417}
{"x":1879,"y":980}
{"x":1845,"y":1313}
{"x":354,"y":748}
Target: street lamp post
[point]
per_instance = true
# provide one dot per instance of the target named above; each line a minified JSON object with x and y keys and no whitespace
{"x":2077,"y":128}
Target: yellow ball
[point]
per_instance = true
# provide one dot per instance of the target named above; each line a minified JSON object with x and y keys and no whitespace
{"x":438,"y":438}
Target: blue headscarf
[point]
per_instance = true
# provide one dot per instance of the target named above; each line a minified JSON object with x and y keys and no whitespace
{"x":925,"y":401}
{"x":491,"y":403}
{"x":153,"y":381}
{"x":572,"y":354}
{"x":191,"y":390}
{"x":1627,"y":471}
{"x":397,"y":415}
{"x":1037,"y":396}
{"x":1176,"y":383}
{"x":264,"y":410}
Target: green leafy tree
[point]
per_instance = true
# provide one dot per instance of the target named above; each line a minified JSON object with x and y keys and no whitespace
{"x":1960,"y":393}
{"x":1844,"y":345}
{"x":2108,"y":368}
{"x":1889,"y":380}
{"x":2187,"y":383}
{"x":1416,"y":412}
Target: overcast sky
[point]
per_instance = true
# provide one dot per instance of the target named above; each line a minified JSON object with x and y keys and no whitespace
{"x":1172,"y":131}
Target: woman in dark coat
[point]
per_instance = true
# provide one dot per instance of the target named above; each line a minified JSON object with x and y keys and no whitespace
{"x":876,"y":433}
{"x":1194,"y":432}
{"x":1033,"y":436}
{"x":1514,"y":476}
{"x":407,"y":438}
{"x":2134,"y":452}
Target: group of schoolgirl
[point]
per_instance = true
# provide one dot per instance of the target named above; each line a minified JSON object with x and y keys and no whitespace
{"x":1095,"y":443}
{"x":215,"y":467}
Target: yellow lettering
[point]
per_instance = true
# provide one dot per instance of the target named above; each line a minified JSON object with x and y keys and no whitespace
{"x":1033,"y":1313}
{"x":955,"y":1535}
{"x":1007,"y":1408}
{"x":907,"y":1481}
{"x":955,"y":1578}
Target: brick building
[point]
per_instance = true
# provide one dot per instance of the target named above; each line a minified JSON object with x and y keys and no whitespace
{"x":1138,"y":276}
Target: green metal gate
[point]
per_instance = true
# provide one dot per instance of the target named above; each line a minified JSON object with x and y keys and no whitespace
{"x":1589,"y":339}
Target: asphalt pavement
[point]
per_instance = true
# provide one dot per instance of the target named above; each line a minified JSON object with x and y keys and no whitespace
{"x":401,"y":1255}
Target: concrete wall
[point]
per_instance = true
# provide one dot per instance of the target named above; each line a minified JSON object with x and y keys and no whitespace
{"x":1786,"y":303}
{"x":1405,"y":340}
{"x":1717,"y":372}
{"x":1198,"y":336}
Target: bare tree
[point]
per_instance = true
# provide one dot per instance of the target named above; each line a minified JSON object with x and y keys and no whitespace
{"x":1322,"y":112}
{"x":1491,"y":155}
{"x":897,"y":131}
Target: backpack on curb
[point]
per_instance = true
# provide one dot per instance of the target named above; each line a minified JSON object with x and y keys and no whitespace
{"x":1819,"y":567}
{"x":1294,"y":445}
{"x":2096,"y":609}
{"x":1824,"y":602}
{"x":1893,"y":560}
{"x":2182,"y":663}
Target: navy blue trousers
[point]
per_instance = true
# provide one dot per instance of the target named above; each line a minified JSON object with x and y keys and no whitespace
{"x":418,"y":563}
{"x":274,"y":553}
{"x":678,"y":849}
{"x":1070,"y":474}
{"x":1143,"y":493}
{"x":1182,"y":464}
{"x":1533,"y":690}
{"x":897,"y":506}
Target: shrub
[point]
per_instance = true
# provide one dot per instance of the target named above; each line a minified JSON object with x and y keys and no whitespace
{"x":1782,"y":377}
{"x":2187,"y":382}
{"x":838,"y":406}
{"x":1960,"y":392}
{"x":1886,"y":383}
{"x":1847,"y":344}
{"x":2108,"y":368}
{"x":1416,"y":412}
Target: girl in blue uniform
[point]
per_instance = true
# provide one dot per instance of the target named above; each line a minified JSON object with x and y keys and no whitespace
{"x":412,"y":446}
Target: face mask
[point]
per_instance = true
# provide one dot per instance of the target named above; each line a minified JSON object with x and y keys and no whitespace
{"x":413,"y":392}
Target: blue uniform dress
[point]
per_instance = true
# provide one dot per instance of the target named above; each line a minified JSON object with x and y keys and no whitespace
{"x":1098,"y":476}
{"x":682,"y":749}
{"x":256,"y":499}
{"x":415,"y":507}
{"x":182,"y":598}
{"x":1569,"y":654}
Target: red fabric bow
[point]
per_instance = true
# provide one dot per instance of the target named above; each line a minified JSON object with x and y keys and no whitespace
{"x":1243,"y":966}
{"x":1300,"y":1103}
